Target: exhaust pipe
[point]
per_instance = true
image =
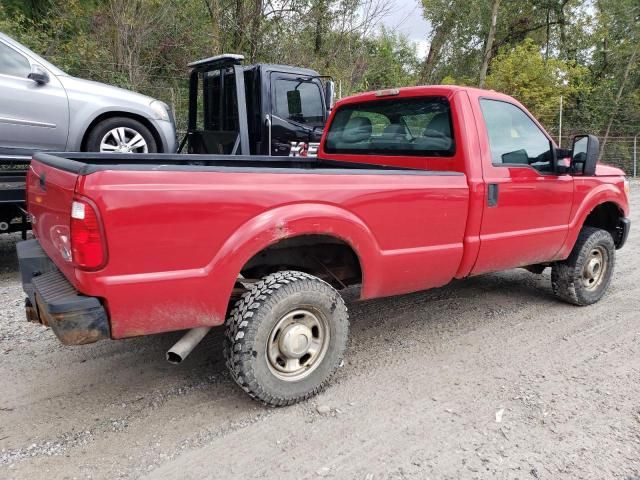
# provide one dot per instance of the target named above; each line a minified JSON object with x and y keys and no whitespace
{"x":186,"y":344}
{"x":4,"y":226}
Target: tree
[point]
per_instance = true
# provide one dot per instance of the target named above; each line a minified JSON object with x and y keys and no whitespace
{"x":488,"y":48}
{"x":523,"y":72}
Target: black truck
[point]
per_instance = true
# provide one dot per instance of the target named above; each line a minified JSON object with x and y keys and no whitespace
{"x":234,"y":109}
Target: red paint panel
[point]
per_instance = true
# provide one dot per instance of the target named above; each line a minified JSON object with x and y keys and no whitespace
{"x":177,"y":240}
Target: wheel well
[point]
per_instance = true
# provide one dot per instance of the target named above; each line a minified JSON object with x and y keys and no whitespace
{"x":323,"y":256}
{"x":607,"y":217}
{"x":133,"y":116}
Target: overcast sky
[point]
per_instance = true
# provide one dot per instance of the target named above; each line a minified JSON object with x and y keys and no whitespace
{"x":406,"y":17}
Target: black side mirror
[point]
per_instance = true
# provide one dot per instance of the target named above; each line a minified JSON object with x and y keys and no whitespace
{"x":562,"y":160}
{"x":38,"y":75}
{"x":294,"y":102}
{"x":584,"y":155}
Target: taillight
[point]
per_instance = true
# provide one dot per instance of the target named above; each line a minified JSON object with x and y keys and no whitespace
{"x":88,"y":249}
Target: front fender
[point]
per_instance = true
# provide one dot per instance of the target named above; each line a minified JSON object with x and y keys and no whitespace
{"x":603,"y":193}
{"x":84,"y":115}
{"x":290,"y":221}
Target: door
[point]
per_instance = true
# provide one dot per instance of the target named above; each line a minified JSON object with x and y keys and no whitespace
{"x":297,"y":111}
{"x":527,"y":206}
{"x":32,"y":116}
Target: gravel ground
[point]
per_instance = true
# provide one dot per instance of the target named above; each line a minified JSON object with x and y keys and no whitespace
{"x":487,"y":378}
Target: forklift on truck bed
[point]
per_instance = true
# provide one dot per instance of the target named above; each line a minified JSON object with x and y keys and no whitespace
{"x":261,"y":109}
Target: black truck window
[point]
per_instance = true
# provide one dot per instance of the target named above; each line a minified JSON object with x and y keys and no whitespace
{"x":298,"y":101}
{"x":419,"y":126}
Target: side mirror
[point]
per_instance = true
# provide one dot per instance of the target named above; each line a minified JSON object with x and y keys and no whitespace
{"x":562,"y":160}
{"x":294,"y":103}
{"x":584,"y":155}
{"x":329,"y":94}
{"x":38,"y":75}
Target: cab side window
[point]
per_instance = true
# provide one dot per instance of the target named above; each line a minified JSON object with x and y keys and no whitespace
{"x":514,"y":138}
{"x":12,"y":63}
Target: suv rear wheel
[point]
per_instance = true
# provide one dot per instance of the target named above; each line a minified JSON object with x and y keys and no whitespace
{"x":286,"y":337}
{"x":583,"y":278}
{"x":121,"y":135}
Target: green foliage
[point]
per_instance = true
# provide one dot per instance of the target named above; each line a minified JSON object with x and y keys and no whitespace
{"x":523,"y":72}
{"x":390,"y":61}
{"x":542,"y":48}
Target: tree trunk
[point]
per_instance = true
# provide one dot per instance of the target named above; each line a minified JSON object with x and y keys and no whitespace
{"x":256,"y":23}
{"x":237,"y":24}
{"x":433,"y":55}
{"x":616,"y":103}
{"x":489,"y":43}
{"x":319,"y":12}
{"x":214,"y":16}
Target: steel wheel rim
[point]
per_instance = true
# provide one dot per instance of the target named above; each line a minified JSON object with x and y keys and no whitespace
{"x":297,"y":344}
{"x":123,"y":140}
{"x":595,"y":268}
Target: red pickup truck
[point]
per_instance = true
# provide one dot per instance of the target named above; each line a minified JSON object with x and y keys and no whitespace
{"x":411,"y":188}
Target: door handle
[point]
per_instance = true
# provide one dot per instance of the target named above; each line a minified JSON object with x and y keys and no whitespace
{"x":492,"y":195}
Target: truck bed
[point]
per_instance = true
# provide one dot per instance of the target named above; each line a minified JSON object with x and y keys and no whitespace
{"x":179,"y":229}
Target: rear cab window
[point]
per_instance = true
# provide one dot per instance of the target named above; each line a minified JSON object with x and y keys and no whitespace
{"x":415,"y":126}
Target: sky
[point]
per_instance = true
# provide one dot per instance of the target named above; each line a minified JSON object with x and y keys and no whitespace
{"x":406,"y":18}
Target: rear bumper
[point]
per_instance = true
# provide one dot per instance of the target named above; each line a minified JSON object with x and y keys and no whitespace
{"x":76,"y":319}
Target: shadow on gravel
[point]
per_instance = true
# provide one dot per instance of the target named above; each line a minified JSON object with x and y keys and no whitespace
{"x":402,"y":321}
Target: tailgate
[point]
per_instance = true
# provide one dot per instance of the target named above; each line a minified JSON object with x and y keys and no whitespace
{"x":49,"y":196}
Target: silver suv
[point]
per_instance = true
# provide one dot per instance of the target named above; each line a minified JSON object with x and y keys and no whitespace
{"x":43,"y":108}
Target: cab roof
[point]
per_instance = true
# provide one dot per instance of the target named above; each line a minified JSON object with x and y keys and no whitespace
{"x":422,"y":90}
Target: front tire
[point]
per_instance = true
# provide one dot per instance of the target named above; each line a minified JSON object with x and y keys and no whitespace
{"x":121,"y":135}
{"x":286,"y":337}
{"x":583,"y":278}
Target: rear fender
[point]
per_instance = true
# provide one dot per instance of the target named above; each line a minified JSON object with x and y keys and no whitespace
{"x":285,"y":222}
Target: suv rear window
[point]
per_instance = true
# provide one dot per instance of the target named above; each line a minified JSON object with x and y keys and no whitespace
{"x":418,"y":126}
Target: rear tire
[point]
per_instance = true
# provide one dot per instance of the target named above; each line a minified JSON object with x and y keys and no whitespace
{"x":286,"y":337}
{"x":583,"y":278}
{"x":121,"y":135}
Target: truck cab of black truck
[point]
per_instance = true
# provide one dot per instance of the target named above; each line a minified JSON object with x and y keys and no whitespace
{"x":261,"y":109}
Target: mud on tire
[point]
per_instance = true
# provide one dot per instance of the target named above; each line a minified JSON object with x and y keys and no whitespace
{"x":267,"y":331}
{"x":583,"y":278}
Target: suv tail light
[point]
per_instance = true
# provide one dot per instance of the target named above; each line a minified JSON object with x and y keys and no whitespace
{"x":88,"y":248}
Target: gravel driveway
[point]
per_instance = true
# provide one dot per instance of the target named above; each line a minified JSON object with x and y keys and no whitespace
{"x":487,"y":378}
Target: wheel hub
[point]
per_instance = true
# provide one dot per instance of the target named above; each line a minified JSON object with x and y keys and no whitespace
{"x":594,"y":270}
{"x":123,"y":140}
{"x":295,"y":341}
{"x":297,"y":344}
